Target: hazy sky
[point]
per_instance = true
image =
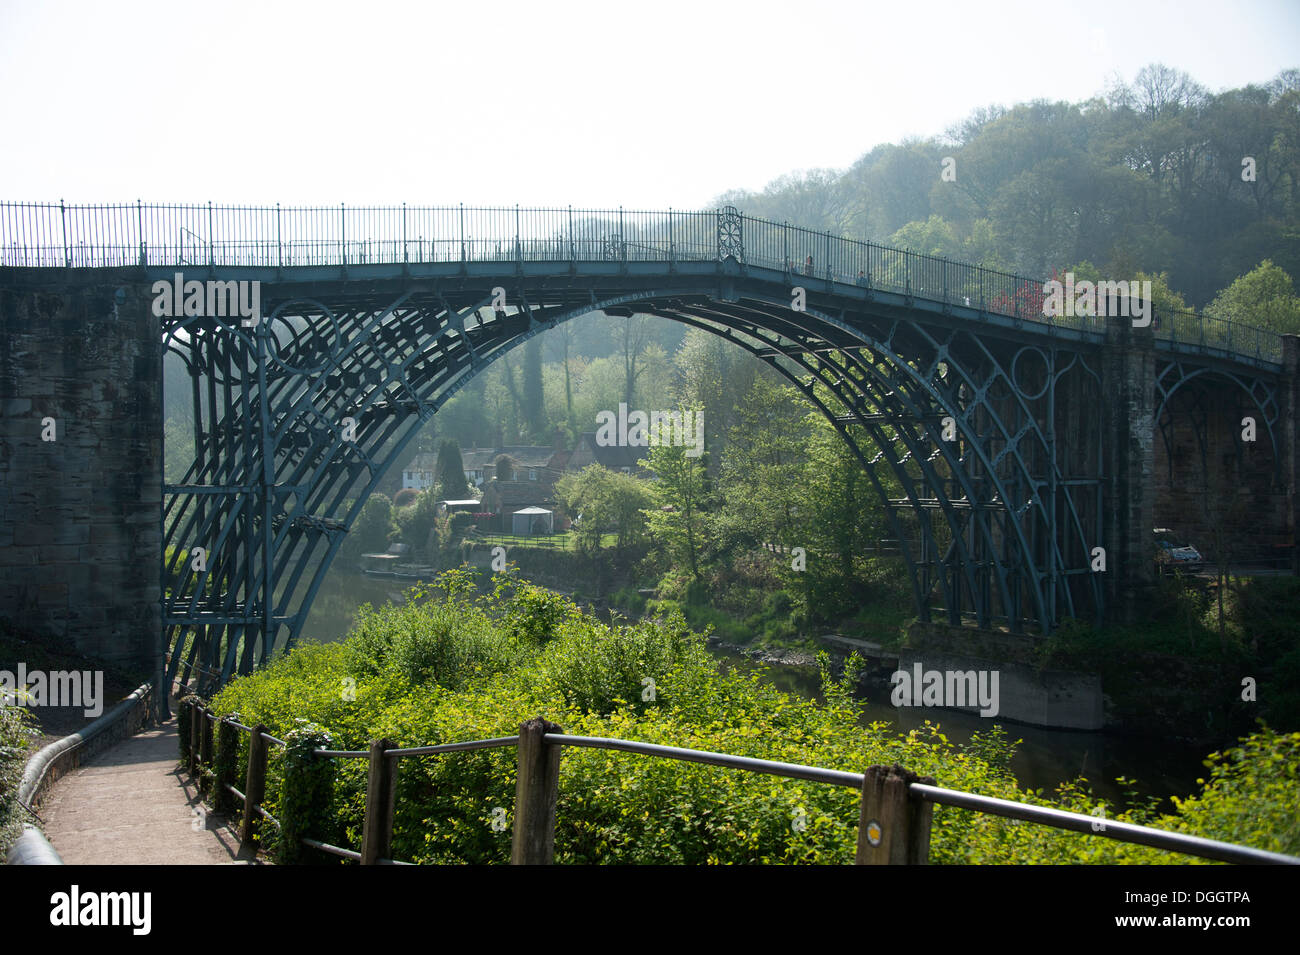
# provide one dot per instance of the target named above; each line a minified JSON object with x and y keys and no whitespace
{"x":645,"y":105}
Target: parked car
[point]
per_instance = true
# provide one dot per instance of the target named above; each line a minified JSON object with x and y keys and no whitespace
{"x":1175,"y":552}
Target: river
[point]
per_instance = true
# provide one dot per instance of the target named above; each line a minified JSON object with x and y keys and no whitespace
{"x":1044,"y":759}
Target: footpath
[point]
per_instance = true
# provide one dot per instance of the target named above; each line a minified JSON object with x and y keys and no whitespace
{"x":133,"y":805}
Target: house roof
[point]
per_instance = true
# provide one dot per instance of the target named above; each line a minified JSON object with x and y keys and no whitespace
{"x":422,"y":462}
{"x":512,"y":493}
{"x":614,"y":457}
{"x":476,"y":459}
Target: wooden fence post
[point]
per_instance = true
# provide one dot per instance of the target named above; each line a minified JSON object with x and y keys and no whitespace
{"x":381,"y":794}
{"x":537,"y":790}
{"x":254,"y":785}
{"x":228,"y":746}
{"x":205,"y":743}
{"x":196,"y":714}
{"x":893,"y":829}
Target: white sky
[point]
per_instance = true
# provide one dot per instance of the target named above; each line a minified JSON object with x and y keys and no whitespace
{"x":597,"y":104}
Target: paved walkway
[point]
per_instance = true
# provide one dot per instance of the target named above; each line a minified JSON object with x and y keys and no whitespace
{"x":131,"y":805}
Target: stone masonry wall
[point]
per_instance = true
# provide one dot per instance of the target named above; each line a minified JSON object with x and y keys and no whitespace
{"x":80,"y":515}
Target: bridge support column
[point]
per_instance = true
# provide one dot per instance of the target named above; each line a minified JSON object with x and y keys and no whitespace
{"x":1129,"y":396}
{"x":81,"y":464}
{"x":1289,"y":438}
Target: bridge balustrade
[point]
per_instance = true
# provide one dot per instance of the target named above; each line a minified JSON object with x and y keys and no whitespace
{"x":58,"y":235}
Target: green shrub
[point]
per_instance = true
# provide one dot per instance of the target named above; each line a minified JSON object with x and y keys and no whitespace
{"x":621,"y":807}
{"x":1251,"y":795}
{"x":534,"y":614}
{"x":447,"y":643}
{"x":629,"y":599}
{"x":777,"y":604}
{"x":596,"y":668}
{"x":17,"y":730}
{"x":306,"y":793}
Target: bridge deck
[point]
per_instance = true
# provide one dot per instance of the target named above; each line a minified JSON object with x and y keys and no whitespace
{"x":132,"y":805}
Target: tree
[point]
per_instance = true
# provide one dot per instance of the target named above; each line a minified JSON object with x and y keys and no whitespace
{"x":417,"y":521}
{"x":450,"y":470}
{"x":1264,"y":297}
{"x":934,"y":236}
{"x":762,"y":469}
{"x":635,"y":337}
{"x":534,"y":400}
{"x":715,"y":375}
{"x":844,"y":520}
{"x":504,"y":467}
{"x":608,"y":502}
{"x":677,"y":519}
{"x":562,"y":338}
{"x":371,"y":530}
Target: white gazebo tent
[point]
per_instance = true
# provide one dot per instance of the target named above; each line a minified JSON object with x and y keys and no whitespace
{"x":532,"y":520}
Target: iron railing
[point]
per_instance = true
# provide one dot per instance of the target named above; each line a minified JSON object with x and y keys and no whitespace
{"x":894,"y":817}
{"x":58,"y":235}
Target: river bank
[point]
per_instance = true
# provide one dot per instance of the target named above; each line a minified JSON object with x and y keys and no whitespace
{"x":1045,"y":758}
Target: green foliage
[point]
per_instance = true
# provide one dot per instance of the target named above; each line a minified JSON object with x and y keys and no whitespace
{"x":608,"y":502}
{"x":416,"y":522}
{"x":445,"y":643}
{"x":184,"y":721}
{"x":1198,"y":691}
{"x":994,"y":747}
{"x":599,"y":669}
{"x":451,"y":471}
{"x":677,"y":521}
{"x":629,"y":599}
{"x":225,"y":765}
{"x":1251,"y":795}
{"x":371,"y":530}
{"x":17,"y":730}
{"x":1264,"y":297}
{"x":618,"y":807}
{"x":534,"y":614}
{"x":305,"y":795}
{"x":763,"y":467}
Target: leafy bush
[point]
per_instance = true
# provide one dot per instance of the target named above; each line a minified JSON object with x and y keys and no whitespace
{"x":629,"y":599}
{"x":17,"y":729}
{"x":446,"y":643}
{"x":534,"y":614}
{"x":1251,"y":795}
{"x":620,"y":807}
{"x":599,"y":669}
{"x":305,"y":795}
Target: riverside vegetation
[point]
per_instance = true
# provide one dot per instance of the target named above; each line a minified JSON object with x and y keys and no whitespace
{"x":455,"y":664}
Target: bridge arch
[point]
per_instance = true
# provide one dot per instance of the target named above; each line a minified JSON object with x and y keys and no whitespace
{"x":399,"y":363}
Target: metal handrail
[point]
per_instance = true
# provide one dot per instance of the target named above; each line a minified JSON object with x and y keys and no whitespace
{"x":49,"y":235}
{"x":494,"y":743}
{"x":816,"y":774}
{"x":1107,"y":829}
{"x":1027,"y":812}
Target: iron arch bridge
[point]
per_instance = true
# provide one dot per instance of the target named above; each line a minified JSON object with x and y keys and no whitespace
{"x":995,"y":434}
